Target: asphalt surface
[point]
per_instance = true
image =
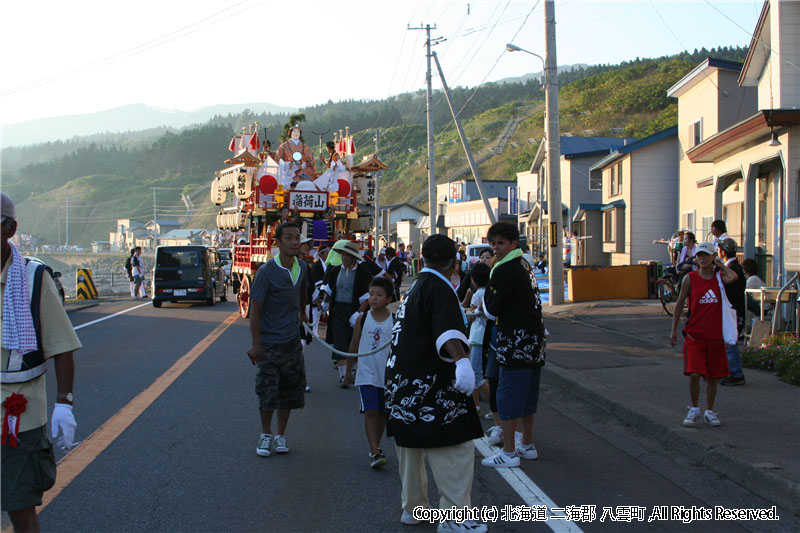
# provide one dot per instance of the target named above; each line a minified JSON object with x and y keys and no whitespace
{"x":188,"y":462}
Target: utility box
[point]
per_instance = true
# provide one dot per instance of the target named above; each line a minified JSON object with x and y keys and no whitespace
{"x":791,"y":245}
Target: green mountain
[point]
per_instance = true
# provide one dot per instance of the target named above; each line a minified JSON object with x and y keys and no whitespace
{"x":114,"y":175}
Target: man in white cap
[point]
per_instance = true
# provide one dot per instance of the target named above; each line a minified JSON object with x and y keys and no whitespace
{"x":35,"y":328}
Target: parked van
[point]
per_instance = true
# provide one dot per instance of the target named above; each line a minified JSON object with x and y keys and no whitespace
{"x":188,"y":273}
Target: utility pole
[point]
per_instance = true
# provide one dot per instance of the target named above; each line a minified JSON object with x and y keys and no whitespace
{"x":155,"y":221}
{"x":465,"y":144}
{"x":66,"y":210}
{"x":555,"y":258}
{"x":428,"y":97}
{"x":377,"y":197}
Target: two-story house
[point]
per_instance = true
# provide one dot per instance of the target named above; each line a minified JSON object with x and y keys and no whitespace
{"x":640,"y":200}
{"x":752,"y":163}
{"x":578,"y":154}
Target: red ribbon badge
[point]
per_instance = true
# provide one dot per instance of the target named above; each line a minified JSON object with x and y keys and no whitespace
{"x":14,"y":406}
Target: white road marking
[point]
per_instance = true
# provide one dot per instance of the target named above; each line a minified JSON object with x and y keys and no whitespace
{"x":76,"y":328}
{"x":530,"y":493}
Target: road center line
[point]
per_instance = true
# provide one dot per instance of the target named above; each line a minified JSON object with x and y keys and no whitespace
{"x":529,"y":491}
{"x":80,"y":457}
{"x":76,"y":328}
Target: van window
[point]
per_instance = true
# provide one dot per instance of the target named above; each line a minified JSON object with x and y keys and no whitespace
{"x":188,"y":260}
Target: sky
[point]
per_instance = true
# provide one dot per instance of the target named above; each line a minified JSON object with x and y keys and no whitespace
{"x":63,"y":58}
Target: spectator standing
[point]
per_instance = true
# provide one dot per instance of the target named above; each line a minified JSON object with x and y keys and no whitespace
{"x":479,"y":275}
{"x":395,"y":269}
{"x":735,"y":292}
{"x":277,"y":306}
{"x":137,"y":267}
{"x":346,"y":289}
{"x":428,"y":382}
{"x":373,"y":330}
{"x":33,"y":332}
{"x":129,"y":271}
{"x":720,"y":232}
{"x":512,"y":302}
{"x":703,"y":345}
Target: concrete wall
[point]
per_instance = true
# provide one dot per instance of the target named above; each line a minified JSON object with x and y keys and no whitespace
{"x":652,"y":211}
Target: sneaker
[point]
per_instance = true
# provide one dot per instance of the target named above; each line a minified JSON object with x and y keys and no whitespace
{"x":518,"y":439}
{"x":691,"y":416}
{"x":408,"y":519}
{"x":711,"y":419}
{"x":730,"y":380}
{"x":470,"y":526}
{"x":308,"y":389}
{"x":280,"y":444}
{"x":527,"y":452}
{"x":500,"y":460}
{"x":377,"y":461}
{"x":488,"y":416}
{"x":343,"y":384}
{"x":495,"y":435}
{"x":264,"y":445}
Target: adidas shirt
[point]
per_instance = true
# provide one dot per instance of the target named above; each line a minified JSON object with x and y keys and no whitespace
{"x":705,"y":308}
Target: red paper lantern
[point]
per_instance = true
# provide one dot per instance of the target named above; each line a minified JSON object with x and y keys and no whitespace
{"x":267,"y":184}
{"x":344,"y":187}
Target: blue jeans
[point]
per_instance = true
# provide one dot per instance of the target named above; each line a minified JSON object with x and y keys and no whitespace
{"x":476,"y":358}
{"x":734,"y":360}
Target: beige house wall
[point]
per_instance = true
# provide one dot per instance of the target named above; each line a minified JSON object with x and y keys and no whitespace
{"x":788,"y":46}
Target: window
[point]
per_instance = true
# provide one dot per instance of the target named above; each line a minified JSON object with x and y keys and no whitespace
{"x":608,"y":226}
{"x":695,"y":133}
{"x":687,"y":222}
{"x":707,"y":220}
{"x":619,"y":177}
{"x":613,"y":181}
{"x":595,"y":180}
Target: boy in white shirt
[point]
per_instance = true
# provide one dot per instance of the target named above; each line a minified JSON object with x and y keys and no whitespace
{"x":374,"y":329}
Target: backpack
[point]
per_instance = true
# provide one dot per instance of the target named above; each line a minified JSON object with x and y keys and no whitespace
{"x":128,"y":267}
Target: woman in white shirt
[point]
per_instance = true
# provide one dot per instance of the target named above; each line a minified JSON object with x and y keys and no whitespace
{"x":750,"y":267}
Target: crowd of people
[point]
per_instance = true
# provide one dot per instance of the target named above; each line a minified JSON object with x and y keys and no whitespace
{"x":461,"y":333}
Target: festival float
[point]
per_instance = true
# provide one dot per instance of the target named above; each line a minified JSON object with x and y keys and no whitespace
{"x":261,"y":183}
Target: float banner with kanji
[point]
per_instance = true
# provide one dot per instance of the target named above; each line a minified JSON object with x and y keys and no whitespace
{"x":308,"y":201}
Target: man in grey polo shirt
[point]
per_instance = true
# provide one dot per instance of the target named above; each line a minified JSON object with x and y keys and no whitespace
{"x":277,"y":305}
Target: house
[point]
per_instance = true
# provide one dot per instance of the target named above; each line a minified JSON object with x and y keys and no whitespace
{"x":185,"y":237}
{"x":101,"y":246}
{"x":577,"y":187}
{"x":465,"y":190}
{"x":640,"y":202}
{"x":128,"y":230}
{"x":751,"y":163}
{"x":709,"y":101}
{"x":468,"y":221}
{"x":390,"y":216}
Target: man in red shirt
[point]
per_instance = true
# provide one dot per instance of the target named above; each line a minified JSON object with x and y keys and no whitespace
{"x":704,"y":352}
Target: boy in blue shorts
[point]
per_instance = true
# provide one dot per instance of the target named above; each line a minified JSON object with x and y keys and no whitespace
{"x":512,"y":301}
{"x":374,"y":329}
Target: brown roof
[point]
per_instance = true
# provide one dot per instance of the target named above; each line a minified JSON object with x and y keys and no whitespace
{"x":370,"y":164}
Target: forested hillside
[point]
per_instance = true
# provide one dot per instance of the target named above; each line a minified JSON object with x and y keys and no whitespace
{"x":114,"y":175}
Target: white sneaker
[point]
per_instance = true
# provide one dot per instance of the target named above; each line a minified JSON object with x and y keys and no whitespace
{"x":408,"y":519}
{"x":470,"y":526}
{"x":518,"y":439}
{"x":495,"y":435}
{"x":711,"y":418}
{"x":527,"y":452}
{"x":264,"y":445}
{"x":691,"y":416}
{"x":500,"y":460}
{"x":280,"y":444}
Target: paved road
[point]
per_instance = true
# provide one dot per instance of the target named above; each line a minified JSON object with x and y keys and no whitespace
{"x":186,"y":459}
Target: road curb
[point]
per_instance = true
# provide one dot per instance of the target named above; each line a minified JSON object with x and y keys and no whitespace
{"x":82,"y":307}
{"x":776,"y":489}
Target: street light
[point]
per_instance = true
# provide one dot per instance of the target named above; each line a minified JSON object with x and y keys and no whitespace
{"x":553,"y":174}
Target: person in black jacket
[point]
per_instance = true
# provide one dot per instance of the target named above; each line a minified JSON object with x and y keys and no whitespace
{"x":735,"y":293}
{"x":395,"y":269}
{"x":512,"y":302}
{"x":346,"y":287}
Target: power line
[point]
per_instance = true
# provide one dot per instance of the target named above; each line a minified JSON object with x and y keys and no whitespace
{"x":136,"y":49}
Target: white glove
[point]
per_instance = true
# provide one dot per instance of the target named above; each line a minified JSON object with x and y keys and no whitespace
{"x":64,"y":421}
{"x":353,"y":319}
{"x":465,"y":376}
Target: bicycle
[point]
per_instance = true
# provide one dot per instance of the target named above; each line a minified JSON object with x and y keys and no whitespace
{"x":668,"y":286}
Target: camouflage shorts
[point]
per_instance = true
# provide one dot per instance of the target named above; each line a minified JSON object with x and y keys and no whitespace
{"x":281,"y":376}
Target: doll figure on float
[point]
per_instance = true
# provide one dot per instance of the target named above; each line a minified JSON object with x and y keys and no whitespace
{"x":296,"y":162}
{"x":337,"y":178}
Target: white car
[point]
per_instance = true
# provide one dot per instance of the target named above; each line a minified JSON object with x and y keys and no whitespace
{"x":474,"y":252}
{"x":226,"y":256}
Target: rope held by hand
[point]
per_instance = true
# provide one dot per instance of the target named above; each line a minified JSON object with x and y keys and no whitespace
{"x":339,"y":352}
